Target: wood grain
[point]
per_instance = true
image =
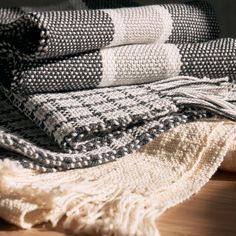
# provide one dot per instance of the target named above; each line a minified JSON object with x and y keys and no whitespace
{"x":210,"y":212}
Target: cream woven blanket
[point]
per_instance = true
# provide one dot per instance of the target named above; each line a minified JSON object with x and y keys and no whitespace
{"x":123,"y":197}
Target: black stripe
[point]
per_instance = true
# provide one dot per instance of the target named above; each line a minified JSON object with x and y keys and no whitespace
{"x":193,"y":22}
{"x":214,"y":59}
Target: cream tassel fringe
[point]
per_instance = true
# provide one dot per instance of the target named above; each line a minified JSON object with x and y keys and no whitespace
{"x":122,"y":198}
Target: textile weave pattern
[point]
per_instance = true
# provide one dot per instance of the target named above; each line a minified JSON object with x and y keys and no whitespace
{"x":54,"y":33}
{"x":111,"y":112}
{"x":70,"y":51}
{"x":162,"y":174}
{"x":44,"y":50}
{"x":93,"y":127}
{"x":125,"y":65}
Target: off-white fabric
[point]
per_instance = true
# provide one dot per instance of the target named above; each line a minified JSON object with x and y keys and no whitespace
{"x":229,"y":163}
{"x":124,"y":197}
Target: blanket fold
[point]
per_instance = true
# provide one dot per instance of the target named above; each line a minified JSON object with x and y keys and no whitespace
{"x":125,"y":65}
{"x":68,"y":51}
{"x":137,"y":189}
{"x":97,"y":126}
{"x":122,"y":102}
{"x":53,"y":33}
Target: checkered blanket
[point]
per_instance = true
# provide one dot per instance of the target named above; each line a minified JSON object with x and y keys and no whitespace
{"x":87,"y":128}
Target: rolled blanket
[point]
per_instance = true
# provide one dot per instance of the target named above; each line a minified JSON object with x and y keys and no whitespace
{"x":125,"y":65}
{"x":123,"y":197}
{"x":57,"y":33}
{"x":89,"y":128}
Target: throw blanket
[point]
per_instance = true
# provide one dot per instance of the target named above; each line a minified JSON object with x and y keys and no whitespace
{"x":56,"y":51}
{"x":97,"y":126}
{"x":125,"y":65}
{"x":137,"y":189}
{"x":67,"y":51}
{"x":53,"y":33}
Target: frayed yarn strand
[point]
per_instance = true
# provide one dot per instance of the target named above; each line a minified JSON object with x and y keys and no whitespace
{"x":128,"y":214}
{"x":122,"y":198}
{"x":211,"y":94}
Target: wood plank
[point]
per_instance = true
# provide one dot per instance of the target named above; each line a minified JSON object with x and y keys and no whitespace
{"x":210,"y":212}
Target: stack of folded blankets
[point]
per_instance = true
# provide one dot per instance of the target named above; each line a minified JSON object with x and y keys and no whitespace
{"x":111,"y":112}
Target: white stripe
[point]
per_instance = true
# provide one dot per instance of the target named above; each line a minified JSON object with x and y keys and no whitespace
{"x":173,"y":62}
{"x":141,"y":25}
{"x":119,"y":27}
{"x":109,"y":68}
{"x":137,"y":64}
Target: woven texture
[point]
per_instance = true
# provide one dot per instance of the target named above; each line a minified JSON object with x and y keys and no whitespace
{"x":125,"y":65}
{"x":68,"y":50}
{"x":89,"y":128}
{"x":138,"y":188}
{"x":54,"y":33}
{"x":85,"y":83}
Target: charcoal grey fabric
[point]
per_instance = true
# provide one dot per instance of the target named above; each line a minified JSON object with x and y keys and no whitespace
{"x":68,"y":50}
{"x":125,"y":65}
{"x":53,"y":33}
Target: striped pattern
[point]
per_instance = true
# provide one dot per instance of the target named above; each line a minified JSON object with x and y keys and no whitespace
{"x":126,"y":65}
{"x":44,"y":34}
{"x":43,"y":50}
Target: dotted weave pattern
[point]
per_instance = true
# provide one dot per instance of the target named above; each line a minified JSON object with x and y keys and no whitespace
{"x":44,"y":50}
{"x":57,"y":33}
{"x":72,"y":31}
{"x":126,"y":65}
{"x":195,"y":20}
{"x":213,"y":59}
{"x":66,"y":74}
{"x":69,"y":51}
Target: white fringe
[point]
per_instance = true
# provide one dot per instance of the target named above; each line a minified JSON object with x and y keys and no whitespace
{"x":112,"y":201}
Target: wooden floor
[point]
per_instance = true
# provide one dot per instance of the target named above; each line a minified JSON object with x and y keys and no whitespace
{"x":211,"y":212}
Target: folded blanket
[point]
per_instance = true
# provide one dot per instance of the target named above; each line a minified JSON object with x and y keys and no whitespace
{"x":124,"y":197}
{"x":125,"y":65}
{"x":56,"y":33}
{"x":92,"y":127}
{"x":68,"y":51}
{"x":57,"y":51}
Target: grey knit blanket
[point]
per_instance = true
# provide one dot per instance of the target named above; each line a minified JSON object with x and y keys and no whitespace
{"x":84,"y":87}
